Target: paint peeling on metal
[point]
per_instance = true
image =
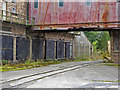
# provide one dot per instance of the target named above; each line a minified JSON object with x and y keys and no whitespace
{"x":74,"y":12}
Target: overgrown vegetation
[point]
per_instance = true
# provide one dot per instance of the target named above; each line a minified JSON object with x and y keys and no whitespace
{"x":98,"y":39}
{"x":100,"y":43}
{"x":105,"y":81}
{"x":32,"y":64}
{"x":111,"y":64}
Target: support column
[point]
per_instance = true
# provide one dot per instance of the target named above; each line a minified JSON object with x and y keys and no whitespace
{"x":111,"y":35}
{"x":115,"y":46}
{"x":30,"y":49}
{"x":55,"y":49}
{"x":14,"y":49}
{"x":44,"y":49}
{"x":119,"y":31}
{"x":0,"y":42}
{"x":119,"y":50}
{"x":0,"y":46}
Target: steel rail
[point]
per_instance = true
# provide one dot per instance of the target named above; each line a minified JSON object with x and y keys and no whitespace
{"x":46,"y":74}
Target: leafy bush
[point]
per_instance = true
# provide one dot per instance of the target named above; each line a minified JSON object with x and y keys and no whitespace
{"x":4,"y":62}
{"x":28,"y":61}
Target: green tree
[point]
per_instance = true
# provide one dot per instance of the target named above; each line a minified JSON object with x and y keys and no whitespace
{"x":100,"y":39}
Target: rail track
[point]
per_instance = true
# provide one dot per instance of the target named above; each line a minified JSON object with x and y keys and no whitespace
{"x":27,"y":80}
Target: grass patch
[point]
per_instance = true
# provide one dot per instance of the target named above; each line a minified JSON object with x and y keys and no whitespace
{"x":83,"y":60}
{"x":106,"y":81}
{"x":111,"y":64}
{"x":32,"y":64}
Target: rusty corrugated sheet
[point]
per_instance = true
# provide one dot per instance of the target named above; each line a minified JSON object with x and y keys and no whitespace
{"x":74,"y":12}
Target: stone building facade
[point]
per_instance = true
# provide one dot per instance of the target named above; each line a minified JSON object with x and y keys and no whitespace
{"x":14,"y":6}
{"x":13,"y":29}
{"x":19,"y":42}
{"x":54,"y":45}
{"x":82,"y":46}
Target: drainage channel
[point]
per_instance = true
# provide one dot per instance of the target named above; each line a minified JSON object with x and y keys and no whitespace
{"x":32,"y":78}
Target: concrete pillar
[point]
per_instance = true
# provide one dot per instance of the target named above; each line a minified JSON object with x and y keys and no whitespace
{"x":71,"y":49}
{"x":14,"y":49}
{"x":0,"y":47}
{"x":44,"y":49}
{"x":30,"y":49}
{"x":0,"y":41}
{"x":64,"y":49}
{"x":114,"y":52}
{"x":119,"y":48}
{"x":74,"y":46}
{"x":111,"y":35}
{"x":55,"y":49}
{"x":119,"y":31}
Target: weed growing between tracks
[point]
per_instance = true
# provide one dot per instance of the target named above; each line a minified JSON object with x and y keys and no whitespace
{"x":32,"y":64}
{"x":111,"y":64}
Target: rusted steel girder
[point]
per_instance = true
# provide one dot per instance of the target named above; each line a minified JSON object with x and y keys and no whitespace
{"x":88,"y":24}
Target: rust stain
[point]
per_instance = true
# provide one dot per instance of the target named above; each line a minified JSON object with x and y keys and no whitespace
{"x":97,"y":11}
{"x":80,"y":24}
{"x":105,"y":14}
{"x":43,"y":9}
{"x":46,"y":13}
{"x":76,"y":12}
{"x":71,"y":14}
{"x":56,"y":9}
{"x":39,"y":11}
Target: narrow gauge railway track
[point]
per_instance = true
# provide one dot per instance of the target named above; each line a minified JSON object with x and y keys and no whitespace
{"x":23,"y":81}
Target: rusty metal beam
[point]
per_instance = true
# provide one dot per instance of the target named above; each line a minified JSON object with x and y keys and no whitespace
{"x":79,"y":29}
{"x":87,"y":23}
{"x":97,"y":26}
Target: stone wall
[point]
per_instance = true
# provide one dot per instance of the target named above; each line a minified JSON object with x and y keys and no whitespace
{"x":14,"y":11}
{"x":13,"y":28}
{"x":59,"y":36}
{"x":9,"y":36}
{"x":20,"y":6}
{"x":82,"y":47}
{"x":25,"y":44}
{"x":28,"y":44}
